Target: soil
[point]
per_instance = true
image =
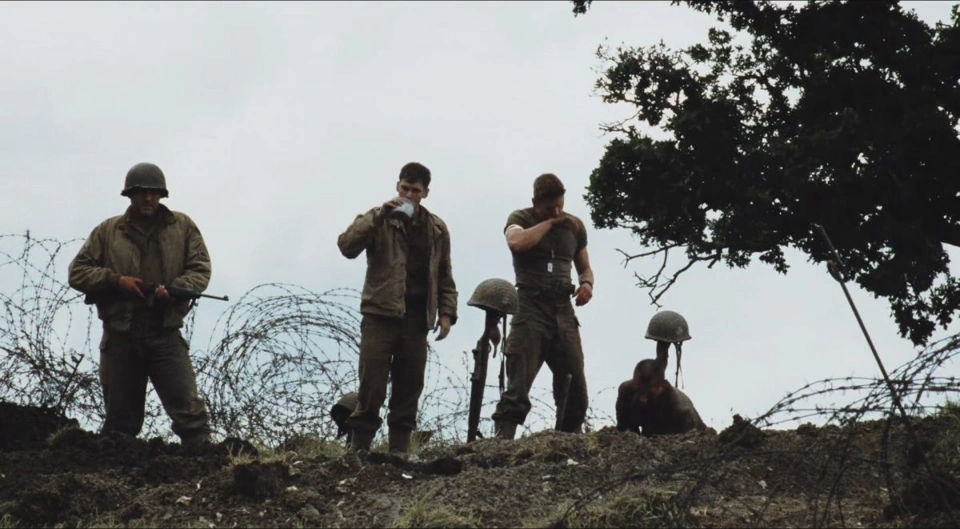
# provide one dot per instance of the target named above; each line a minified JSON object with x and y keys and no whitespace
{"x":867,"y":474}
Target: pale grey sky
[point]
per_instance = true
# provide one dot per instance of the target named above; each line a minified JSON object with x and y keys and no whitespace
{"x":276,"y":123}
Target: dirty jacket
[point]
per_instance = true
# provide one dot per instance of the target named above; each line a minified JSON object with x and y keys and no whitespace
{"x":385,"y":284}
{"x":109,"y":253}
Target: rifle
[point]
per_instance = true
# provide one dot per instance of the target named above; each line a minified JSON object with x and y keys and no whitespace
{"x":478,"y":379}
{"x":149,"y":294}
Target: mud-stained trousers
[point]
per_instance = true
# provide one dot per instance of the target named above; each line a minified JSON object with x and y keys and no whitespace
{"x":128,"y":361}
{"x":394,"y":348}
{"x":543,"y":331}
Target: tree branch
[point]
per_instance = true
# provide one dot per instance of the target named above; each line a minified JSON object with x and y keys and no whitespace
{"x":653,"y":284}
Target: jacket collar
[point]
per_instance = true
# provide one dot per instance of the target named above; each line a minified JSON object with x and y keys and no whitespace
{"x":164,"y":213}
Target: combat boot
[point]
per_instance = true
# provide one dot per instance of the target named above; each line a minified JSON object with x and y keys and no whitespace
{"x":362,"y":439}
{"x":196,"y":441}
{"x":399,"y":441}
{"x":506,"y":430}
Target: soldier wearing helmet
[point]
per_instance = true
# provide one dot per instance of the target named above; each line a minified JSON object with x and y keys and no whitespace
{"x":149,"y":244}
{"x":408,"y":290}
{"x":647,"y":403}
{"x":547,"y":244}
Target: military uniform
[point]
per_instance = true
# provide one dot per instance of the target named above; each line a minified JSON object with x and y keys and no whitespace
{"x":409,"y":283}
{"x":545,"y":329}
{"x":671,"y":412}
{"x":143,"y":343}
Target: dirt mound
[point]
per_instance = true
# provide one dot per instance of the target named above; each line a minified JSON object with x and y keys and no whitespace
{"x":23,"y":427}
{"x":862,"y":475}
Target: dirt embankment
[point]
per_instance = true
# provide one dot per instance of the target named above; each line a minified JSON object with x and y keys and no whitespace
{"x":54,"y":474}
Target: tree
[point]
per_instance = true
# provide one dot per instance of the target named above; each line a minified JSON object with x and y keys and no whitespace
{"x":842,"y":114}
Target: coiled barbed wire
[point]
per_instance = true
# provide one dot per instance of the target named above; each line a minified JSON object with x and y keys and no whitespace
{"x":41,"y":365}
{"x":285,"y":354}
{"x":276,"y":360}
{"x":829,"y":459}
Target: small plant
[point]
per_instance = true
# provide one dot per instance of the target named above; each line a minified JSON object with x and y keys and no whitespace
{"x":58,"y":437}
{"x":646,"y":508}
{"x":427,"y":514}
{"x":241,"y":458}
{"x":950,"y":408}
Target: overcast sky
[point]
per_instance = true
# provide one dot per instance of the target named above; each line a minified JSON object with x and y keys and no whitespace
{"x":277,"y":123}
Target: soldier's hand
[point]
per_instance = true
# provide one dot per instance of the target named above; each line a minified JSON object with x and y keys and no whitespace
{"x":162,"y":294}
{"x":566,"y":221}
{"x":130,"y":284}
{"x":443,"y":324}
{"x":583,"y":294}
{"x":391,"y":204}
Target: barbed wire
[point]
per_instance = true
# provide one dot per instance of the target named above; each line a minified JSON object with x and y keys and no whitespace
{"x":282,"y":355}
{"x":41,"y":366}
{"x":275,"y":363}
{"x":838,"y":455}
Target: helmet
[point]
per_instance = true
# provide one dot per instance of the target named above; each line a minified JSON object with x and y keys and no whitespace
{"x":341,"y":411}
{"x":144,"y":176}
{"x":495,"y":294}
{"x":668,"y":326}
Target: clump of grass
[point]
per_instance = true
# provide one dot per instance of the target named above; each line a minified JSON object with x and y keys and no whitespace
{"x":310,"y":447}
{"x":57,"y":438}
{"x":428,"y":514}
{"x":646,"y":508}
{"x":950,"y":408}
{"x":7,"y":522}
{"x":240,"y":458}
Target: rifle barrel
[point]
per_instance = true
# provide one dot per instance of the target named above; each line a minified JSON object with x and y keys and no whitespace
{"x":221,"y":298}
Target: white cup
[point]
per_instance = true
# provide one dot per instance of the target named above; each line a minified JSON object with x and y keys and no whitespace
{"x":403,"y":210}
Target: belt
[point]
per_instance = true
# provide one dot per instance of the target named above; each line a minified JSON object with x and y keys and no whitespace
{"x":556,"y":293}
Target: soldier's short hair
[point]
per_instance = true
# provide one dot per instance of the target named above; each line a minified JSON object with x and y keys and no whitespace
{"x":414,"y":172}
{"x":547,"y":187}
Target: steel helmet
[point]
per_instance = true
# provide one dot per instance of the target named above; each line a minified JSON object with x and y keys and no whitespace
{"x":145,"y":176}
{"x":668,"y":326}
{"x":496,"y":294}
{"x":341,"y":411}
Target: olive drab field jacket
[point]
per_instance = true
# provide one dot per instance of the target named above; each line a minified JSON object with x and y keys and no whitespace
{"x":385,"y":283}
{"x":109,"y":253}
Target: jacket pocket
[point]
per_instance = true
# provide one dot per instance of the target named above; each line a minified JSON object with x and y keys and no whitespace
{"x":111,"y":311}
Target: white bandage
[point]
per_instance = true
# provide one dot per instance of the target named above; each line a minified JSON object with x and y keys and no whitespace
{"x":510,"y":229}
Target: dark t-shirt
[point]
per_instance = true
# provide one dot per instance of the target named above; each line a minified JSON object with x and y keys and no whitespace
{"x":418,"y":256}
{"x":551,"y":260}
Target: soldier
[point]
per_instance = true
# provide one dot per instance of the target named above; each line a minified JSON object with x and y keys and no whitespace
{"x":647,"y":401}
{"x":546,"y":243}
{"x":148,"y":244}
{"x":409,"y":288}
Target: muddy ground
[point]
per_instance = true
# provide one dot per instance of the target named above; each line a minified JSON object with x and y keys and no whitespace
{"x":53,"y":474}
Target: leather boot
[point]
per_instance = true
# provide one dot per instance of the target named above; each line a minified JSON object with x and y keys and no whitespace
{"x":399,"y":441}
{"x":506,"y":430}
{"x":196,"y":440}
{"x":361,"y":440}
